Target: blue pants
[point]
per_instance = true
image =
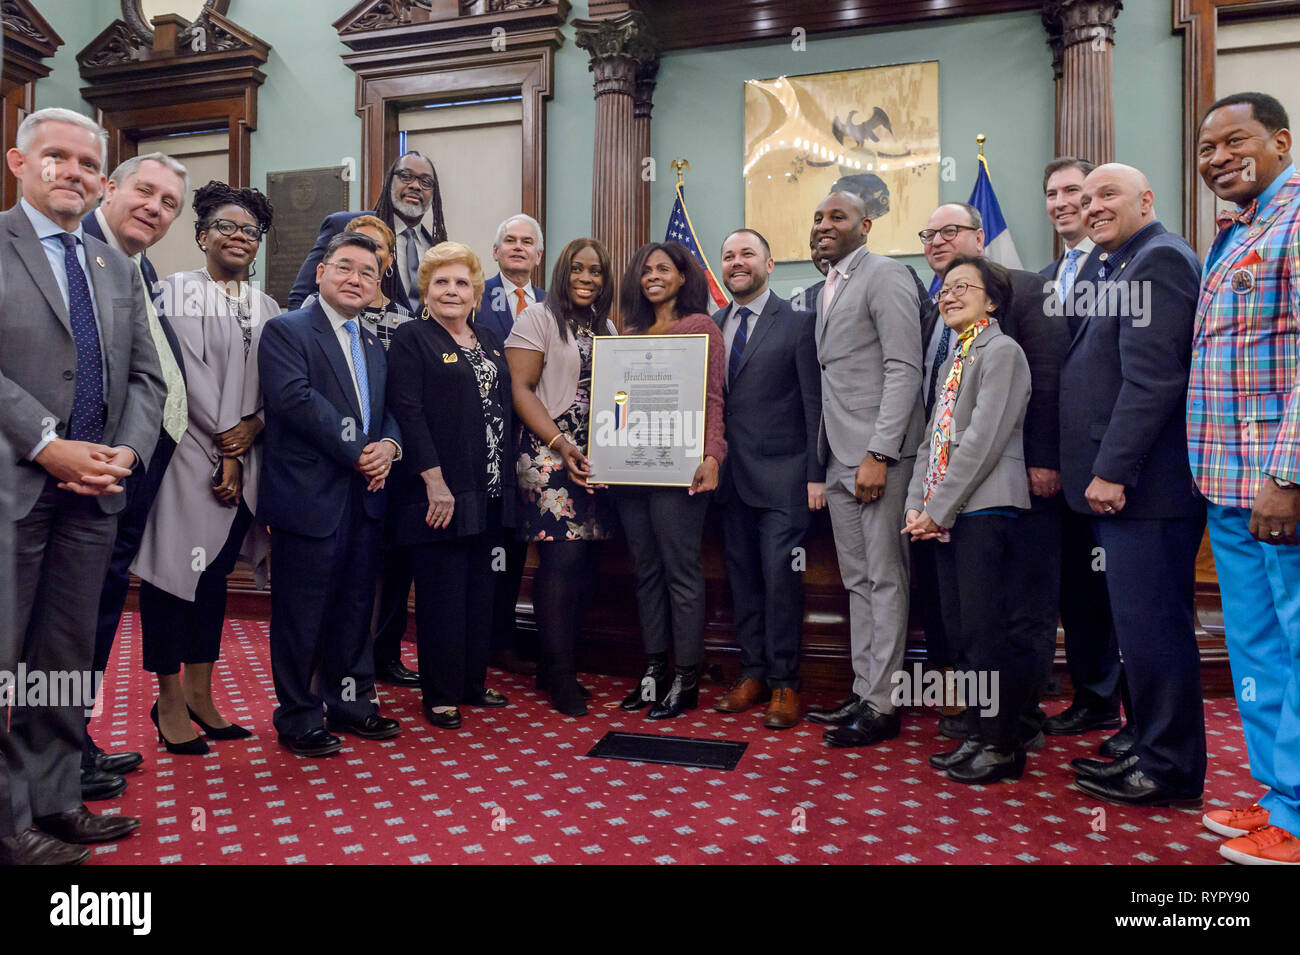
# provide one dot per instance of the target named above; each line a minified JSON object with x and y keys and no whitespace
{"x":1260,"y":587}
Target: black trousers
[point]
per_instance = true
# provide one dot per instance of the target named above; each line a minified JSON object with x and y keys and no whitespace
{"x":1151,"y":569}
{"x":454,"y":587}
{"x":1091,"y":649}
{"x":766,"y":587}
{"x":396,"y":576}
{"x":562,"y":591}
{"x":322,"y":594}
{"x":1037,"y":593}
{"x":174,"y":630}
{"x":995,"y":631}
{"x":925,"y":579}
{"x":505,"y":600}
{"x":664,"y":527}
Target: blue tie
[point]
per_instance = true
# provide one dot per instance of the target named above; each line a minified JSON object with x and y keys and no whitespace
{"x":87,"y":420}
{"x":363,"y":378}
{"x":1068,"y":273}
{"x":738,"y":342}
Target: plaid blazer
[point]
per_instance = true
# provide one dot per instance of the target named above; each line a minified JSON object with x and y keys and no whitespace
{"x":1243,"y":398}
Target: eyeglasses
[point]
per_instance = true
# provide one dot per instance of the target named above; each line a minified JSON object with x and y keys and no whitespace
{"x":407,"y":177}
{"x":949,"y":232}
{"x":957,"y":291}
{"x":227,"y":228}
{"x":346,"y":270}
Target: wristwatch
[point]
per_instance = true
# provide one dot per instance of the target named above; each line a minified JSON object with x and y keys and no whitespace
{"x":1284,"y":485}
{"x":882,"y":458}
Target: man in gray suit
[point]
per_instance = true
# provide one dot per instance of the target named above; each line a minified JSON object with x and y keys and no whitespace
{"x":81,"y":397}
{"x":869,"y":348}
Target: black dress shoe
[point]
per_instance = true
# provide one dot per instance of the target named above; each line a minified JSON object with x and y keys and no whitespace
{"x":682,"y":695}
{"x":1119,"y":745}
{"x":117,"y":763}
{"x":954,"y":727}
{"x":486,"y":698}
{"x":868,"y":729}
{"x":988,"y":765}
{"x":81,"y":826}
{"x":97,"y":784}
{"x":33,"y":847}
{"x":1077,"y":719}
{"x":447,"y":720}
{"x":315,"y":742}
{"x":842,"y":713}
{"x":396,"y":674}
{"x":651,"y":688}
{"x":1033,"y":744}
{"x":967,"y":749}
{"x":1086,"y":768}
{"x":373,"y":726}
{"x":1135,"y":788}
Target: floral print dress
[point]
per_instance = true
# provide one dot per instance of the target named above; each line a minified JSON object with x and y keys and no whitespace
{"x":555,"y":508}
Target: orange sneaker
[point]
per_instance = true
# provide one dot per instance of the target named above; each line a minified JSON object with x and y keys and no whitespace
{"x":1236,"y":822}
{"x":1267,"y":846}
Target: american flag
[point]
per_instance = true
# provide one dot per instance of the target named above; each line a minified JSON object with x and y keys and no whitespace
{"x":680,"y":230}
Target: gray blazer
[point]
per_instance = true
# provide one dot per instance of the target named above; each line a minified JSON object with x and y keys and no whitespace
{"x":986,"y":456}
{"x":869,"y":348}
{"x":38,"y":358}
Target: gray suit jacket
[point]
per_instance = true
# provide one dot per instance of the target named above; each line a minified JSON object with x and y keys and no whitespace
{"x":986,"y":456}
{"x":38,"y":359}
{"x":869,"y":348}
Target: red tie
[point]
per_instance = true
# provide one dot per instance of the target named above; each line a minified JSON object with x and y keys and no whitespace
{"x":1223,"y":219}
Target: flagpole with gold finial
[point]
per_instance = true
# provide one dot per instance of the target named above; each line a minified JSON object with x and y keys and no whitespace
{"x":678,"y":165}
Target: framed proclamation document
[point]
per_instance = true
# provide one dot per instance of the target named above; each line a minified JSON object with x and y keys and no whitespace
{"x":647,"y":408}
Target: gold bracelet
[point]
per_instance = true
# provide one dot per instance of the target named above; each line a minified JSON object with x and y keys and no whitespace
{"x":550,"y":445}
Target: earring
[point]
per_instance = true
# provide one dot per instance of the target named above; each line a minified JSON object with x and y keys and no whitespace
{"x":424,"y":313}
{"x":203,"y":248}
{"x":389,"y":271}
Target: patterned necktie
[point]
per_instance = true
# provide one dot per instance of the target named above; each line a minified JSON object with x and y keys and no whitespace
{"x":940,"y":356}
{"x":1223,"y":218}
{"x":942,"y":435}
{"x":176,"y":407}
{"x":413,"y":271}
{"x":738,"y":343}
{"x":87,"y":420}
{"x":1068,"y":273}
{"x":363,"y":377}
{"x":521,"y":301}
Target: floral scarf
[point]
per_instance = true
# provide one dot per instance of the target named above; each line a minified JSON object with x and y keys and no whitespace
{"x":938,"y":466}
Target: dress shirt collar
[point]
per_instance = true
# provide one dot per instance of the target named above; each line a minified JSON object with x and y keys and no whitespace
{"x":1120,"y":255}
{"x":1085,"y":247}
{"x":46,"y":227}
{"x":844,"y":264}
{"x":1273,"y":189}
{"x":756,"y":306}
{"x":336,"y":320}
{"x":510,"y":287}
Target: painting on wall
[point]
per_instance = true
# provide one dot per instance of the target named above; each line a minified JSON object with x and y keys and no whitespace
{"x":874,"y":132}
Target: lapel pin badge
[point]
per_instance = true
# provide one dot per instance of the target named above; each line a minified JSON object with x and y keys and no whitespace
{"x":99,"y":260}
{"x":449,"y":358}
{"x":1243,"y":282}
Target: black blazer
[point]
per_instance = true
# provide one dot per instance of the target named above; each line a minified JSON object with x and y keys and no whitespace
{"x":91,"y":225}
{"x":313,"y":434}
{"x":773,"y":410}
{"x":438,"y":407}
{"x":336,"y":222}
{"x":1124,"y":381}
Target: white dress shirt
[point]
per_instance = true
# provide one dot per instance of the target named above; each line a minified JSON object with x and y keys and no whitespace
{"x":509,"y":287}
{"x":1085,"y":246}
{"x":731,"y":322}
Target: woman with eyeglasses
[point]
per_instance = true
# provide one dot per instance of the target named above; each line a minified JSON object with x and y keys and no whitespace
{"x":665,"y":292}
{"x":967,"y":492}
{"x":202,"y":518}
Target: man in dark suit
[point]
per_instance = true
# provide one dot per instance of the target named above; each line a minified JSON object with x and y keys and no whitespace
{"x":771,"y":479}
{"x":953,"y":229}
{"x":1091,"y":654}
{"x":141,"y":200}
{"x":81,"y":397}
{"x":517,"y":250}
{"x":1124,"y":461}
{"x":410,"y":203}
{"x":331,"y":441}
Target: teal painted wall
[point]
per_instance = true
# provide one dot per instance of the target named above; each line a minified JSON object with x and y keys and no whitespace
{"x":994,"y":75}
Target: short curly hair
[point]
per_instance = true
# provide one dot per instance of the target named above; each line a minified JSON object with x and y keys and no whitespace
{"x":208,"y":199}
{"x":451,"y":253}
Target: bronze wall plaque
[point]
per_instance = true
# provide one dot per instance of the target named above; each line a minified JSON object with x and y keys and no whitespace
{"x":302,"y":199}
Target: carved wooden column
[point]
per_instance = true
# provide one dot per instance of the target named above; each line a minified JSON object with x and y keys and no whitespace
{"x":617,"y":46}
{"x":643,"y":103}
{"x":1082,"y":35}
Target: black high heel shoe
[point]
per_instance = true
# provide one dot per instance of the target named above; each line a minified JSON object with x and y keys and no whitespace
{"x":233,"y":731}
{"x":683,"y":695}
{"x":657,"y":672}
{"x":191,"y":747}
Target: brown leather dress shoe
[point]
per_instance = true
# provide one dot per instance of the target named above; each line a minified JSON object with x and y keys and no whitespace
{"x":33,"y":847}
{"x":783,"y":711}
{"x":81,"y":826}
{"x":743,"y":694}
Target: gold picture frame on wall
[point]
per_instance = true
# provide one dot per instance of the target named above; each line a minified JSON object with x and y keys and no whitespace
{"x":873,"y":131}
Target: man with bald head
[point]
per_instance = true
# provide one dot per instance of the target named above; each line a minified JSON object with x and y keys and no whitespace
{"x":1124,"y":463}
{"x":869,"y":349}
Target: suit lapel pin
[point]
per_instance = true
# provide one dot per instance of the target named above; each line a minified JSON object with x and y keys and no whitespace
{"x":99,"y":260}
{"x":449,"y":359}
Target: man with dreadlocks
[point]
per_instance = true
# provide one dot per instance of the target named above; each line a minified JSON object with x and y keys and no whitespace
{"x":410,"y":204}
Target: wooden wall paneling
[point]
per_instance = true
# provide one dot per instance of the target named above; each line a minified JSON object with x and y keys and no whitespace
{"x":28,"y":41}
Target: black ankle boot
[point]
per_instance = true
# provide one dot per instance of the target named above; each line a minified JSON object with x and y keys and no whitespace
{"x":683,"y":695}
{"x":644,"y":693}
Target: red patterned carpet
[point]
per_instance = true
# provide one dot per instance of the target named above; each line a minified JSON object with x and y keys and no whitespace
{"x":513,"y":786}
